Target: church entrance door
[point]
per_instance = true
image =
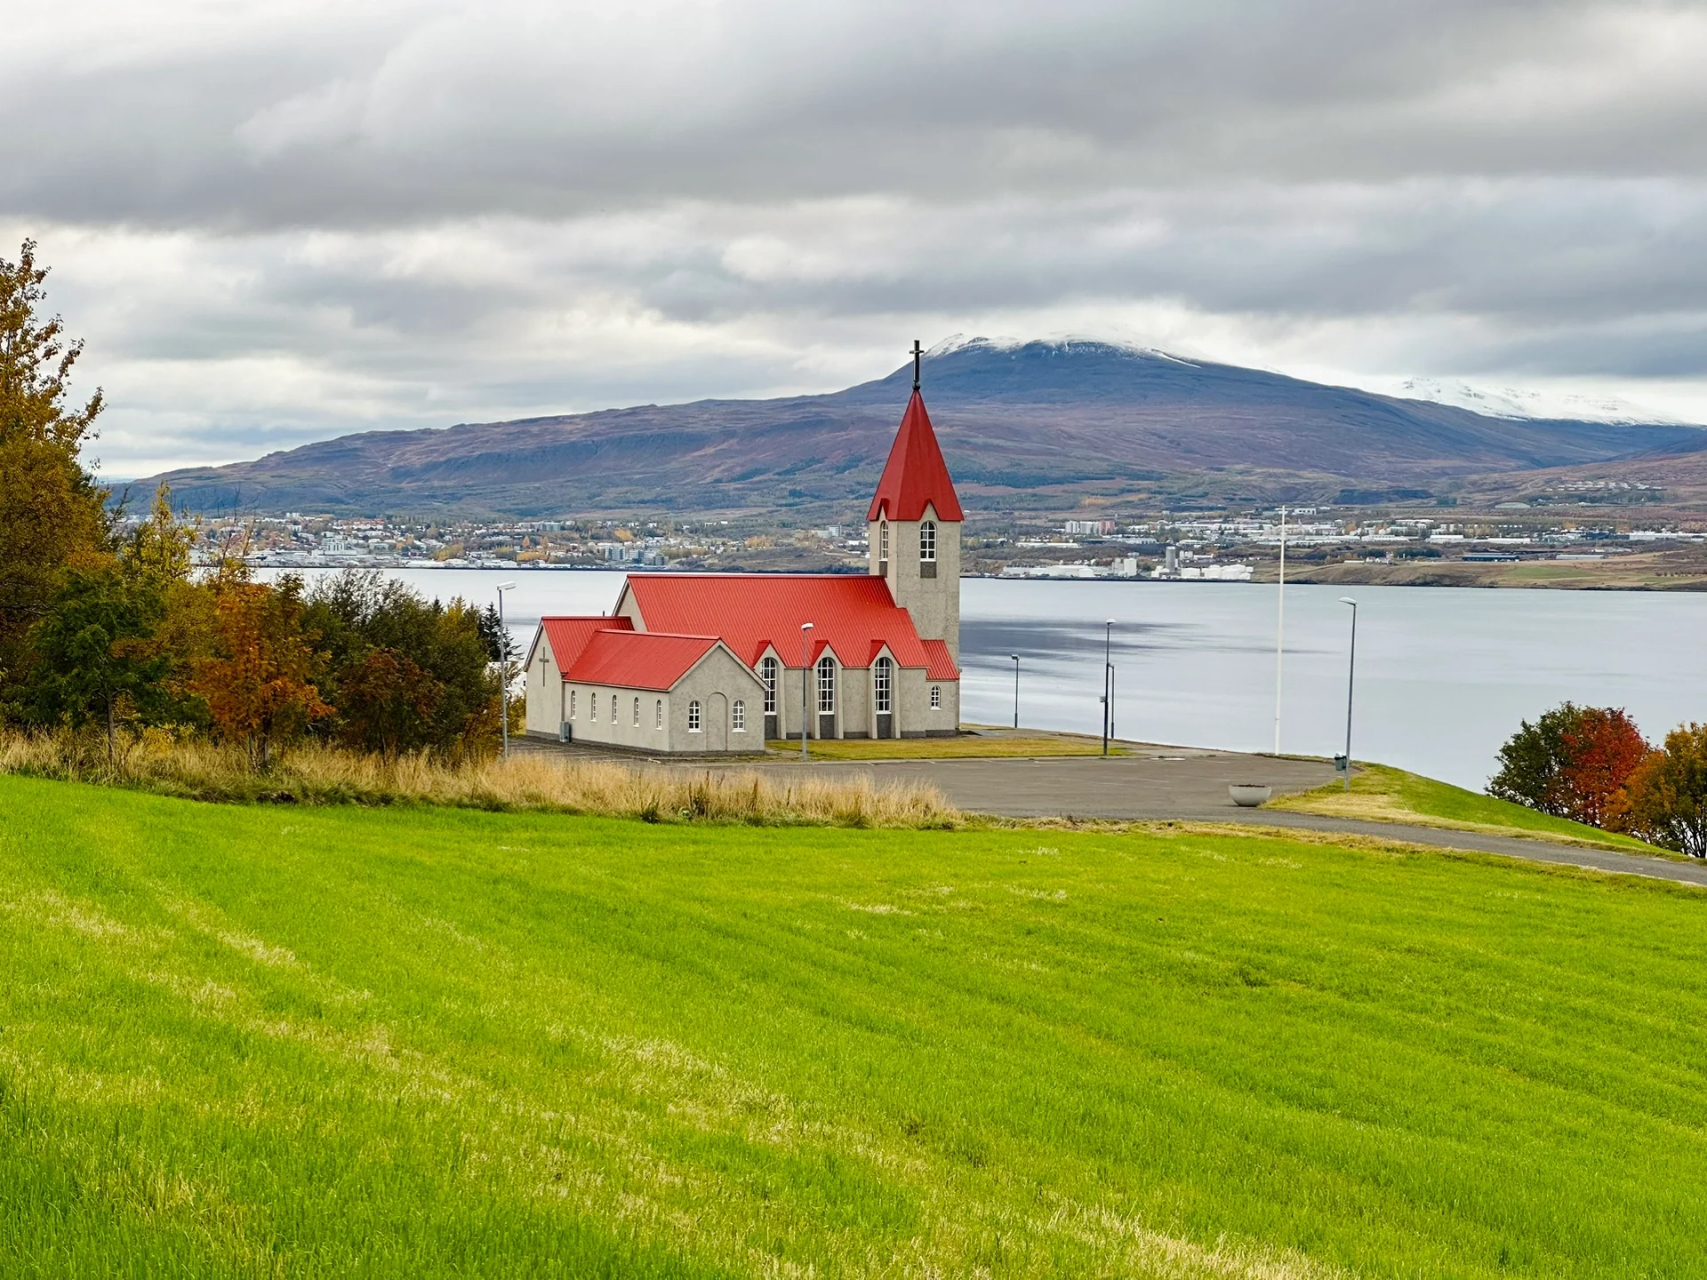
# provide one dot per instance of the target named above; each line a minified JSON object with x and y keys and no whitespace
{"x":717,"y":723}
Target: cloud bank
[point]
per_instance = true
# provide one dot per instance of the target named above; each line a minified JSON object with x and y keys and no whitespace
{"x":281,"y":221}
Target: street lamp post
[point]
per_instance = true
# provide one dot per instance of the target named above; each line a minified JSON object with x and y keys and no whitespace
{"x":504,"y":667}
{"x":1015,"y":657}
{"x":1280,"y":631}
{"x":1350,"y":679}
{"x":1107,"y":682}
{"x":805,"y":670}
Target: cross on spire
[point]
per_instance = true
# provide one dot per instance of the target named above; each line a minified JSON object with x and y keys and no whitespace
{"x":918,"y":354}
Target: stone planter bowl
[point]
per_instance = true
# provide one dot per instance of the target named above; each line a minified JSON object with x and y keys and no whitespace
{"x":1248,"y":795}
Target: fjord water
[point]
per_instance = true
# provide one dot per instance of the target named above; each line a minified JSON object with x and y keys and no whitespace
{"x":1443,"y":674}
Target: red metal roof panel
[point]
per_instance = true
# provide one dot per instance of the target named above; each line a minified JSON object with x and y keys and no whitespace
{"x":848,"y":612}
{"x":941,"y":661}
{"x":569,"y":635}
{"x":638,"y":659}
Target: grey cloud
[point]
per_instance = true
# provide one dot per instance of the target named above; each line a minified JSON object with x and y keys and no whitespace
{"x":436,"y":113}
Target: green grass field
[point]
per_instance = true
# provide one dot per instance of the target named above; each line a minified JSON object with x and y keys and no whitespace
{"x":1386,"y":794}
{"x":437,"y":1042}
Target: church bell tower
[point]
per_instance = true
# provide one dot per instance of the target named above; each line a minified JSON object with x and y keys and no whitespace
{"x":914,"y":526}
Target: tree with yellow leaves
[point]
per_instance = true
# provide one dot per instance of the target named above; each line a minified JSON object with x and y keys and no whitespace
{"x":52,"y":513}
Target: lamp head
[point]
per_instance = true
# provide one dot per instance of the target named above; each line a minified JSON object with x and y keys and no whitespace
{"x":1348,"y":600}
{"x":806,"y":626}
{"x":506,"y":586}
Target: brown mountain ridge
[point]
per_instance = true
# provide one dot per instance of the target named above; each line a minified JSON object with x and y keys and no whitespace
{"x":1022,"y":426}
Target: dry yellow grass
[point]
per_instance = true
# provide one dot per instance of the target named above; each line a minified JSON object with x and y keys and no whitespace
{"x":316,"y":774}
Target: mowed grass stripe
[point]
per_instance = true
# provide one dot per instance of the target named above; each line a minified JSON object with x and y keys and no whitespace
{"x":259,"y":1040}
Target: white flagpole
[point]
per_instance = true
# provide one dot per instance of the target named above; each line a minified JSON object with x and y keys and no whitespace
{"x":1280,"y":631}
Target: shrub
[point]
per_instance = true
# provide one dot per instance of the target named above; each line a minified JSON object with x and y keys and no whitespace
{"x":404,"y":673}
{"x":1666,"y":801}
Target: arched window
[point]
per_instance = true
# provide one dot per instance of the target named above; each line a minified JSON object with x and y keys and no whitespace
{"x":826,"y":685}
{"x":593,"y":706}
{"x":571,"y":704}
{"x":658,"y":715}
{"x":767,"y":677}
{"x":693,"y":716}
{"x":637,"y":713}
{"x":927,"y":542}
{"x":883,"y":685}
{"x":883,"y":540}
{"x":738,"y":717}
{"x":936,"y":697}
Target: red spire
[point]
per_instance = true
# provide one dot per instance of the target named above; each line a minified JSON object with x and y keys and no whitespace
{"x":915,"y":473}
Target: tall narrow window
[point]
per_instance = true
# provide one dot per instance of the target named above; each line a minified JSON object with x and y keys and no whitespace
{"x":593,"y":706}
{"x":693,"y":716}
{"x":767,"y":677}
{"x":882,"y":542}
{"x":936,"y":697}
{"x":571,"y":704}
{"x":637,"y":713}
{"x":658,"y":715}
{"x":738,"y":717}
{"x":826,"y":685}
{"x":927,"y":542}
{"x":883,"y":684}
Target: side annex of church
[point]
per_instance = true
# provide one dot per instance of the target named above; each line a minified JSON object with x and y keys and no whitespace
{"x":718,"y":662}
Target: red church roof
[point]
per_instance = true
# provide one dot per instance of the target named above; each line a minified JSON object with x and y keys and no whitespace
{"x":568,"y":636}
{"x":852,"y":614}
{"x":610,"y":651}
{"x":638,"y":660}
{"x":915,"y":473}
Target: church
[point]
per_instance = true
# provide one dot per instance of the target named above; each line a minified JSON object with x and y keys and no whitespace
{"x":718,"y":662}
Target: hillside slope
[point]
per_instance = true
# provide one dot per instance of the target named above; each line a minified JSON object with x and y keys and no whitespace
{"x":270,"y":1041}
{"x":1012,"y":419}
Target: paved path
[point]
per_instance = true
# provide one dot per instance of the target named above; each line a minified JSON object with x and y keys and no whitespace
{"x":1192,"y":787}
{"x":1176,"y":784}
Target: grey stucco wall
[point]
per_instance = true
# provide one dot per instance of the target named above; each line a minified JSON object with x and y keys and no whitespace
{"x":544,"y":690}
{"x":621,"y":732}
{"x":915,"y":716}
{"x":934,"y":603}
{"x":718,"y":673}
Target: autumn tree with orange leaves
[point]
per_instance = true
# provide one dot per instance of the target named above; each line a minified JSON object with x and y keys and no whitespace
{"x":1602,"y":749}
{"x":259,"y":684}
{"x":1667,"y":794}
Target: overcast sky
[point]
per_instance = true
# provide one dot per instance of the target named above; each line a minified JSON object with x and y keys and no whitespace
{"x":282,"y":221}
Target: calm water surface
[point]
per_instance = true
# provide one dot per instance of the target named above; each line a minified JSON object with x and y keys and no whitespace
{"x":1443,"y":674}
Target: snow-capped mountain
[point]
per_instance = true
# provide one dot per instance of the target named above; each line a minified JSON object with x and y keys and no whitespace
{"x":1515,"y":402}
